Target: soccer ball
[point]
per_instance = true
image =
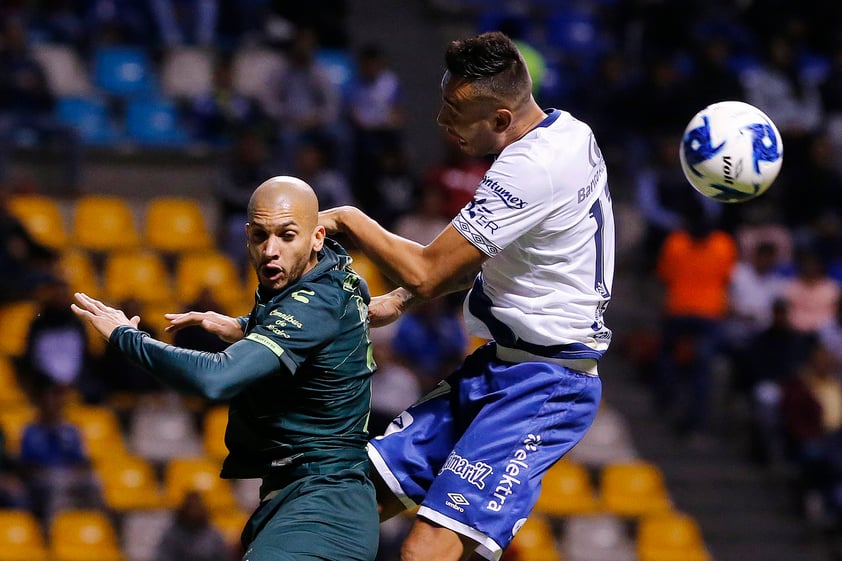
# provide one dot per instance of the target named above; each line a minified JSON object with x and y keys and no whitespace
{"x":731,"y":151}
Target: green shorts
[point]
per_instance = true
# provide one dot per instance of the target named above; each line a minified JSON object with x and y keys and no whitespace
{"x":317,"y":517}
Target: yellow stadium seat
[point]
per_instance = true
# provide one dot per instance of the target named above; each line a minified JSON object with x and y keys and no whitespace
{"x":535,"y":540}
{"x":197,"y":474}
{"x":565,"y":490}
{"x":21,"y":538}
{"x":215,"y":422}
{"x":42,"y":218}
{"x":11,"y":394}
{"x":365,"y":267}
{"x":100,"y":428}
{"x":128,"y":483}
{"x":175,"y":224}
{"x":13,"y":420}
{"x":633,"y":489}
{"x":78,"y":269}
{"x":104,"y":223}
{"x":231,"y":524}
{"x":15,"y":318}
{"x":670,"y":536}
{"x":83,"y":535}
{"x":140,"y":275}
{"x":212,"y":270}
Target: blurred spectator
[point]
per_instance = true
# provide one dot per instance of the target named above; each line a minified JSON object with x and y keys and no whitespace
{"x":328,"y":18}
{"x":812,"y":295}
{"x":456,"y":177}
{"x":185,"y":22}
{"x":431,"y":339}
{"x":425,"y":222}
{"x":191,"y":535}
{"x":831,"y":334}
{"x":394,"y":190}
{"x":25,"y":264}
{"x":662,"y":99}
{"x":695,"y":266}
{"x":306,"y":104}
{"x":812,"y":409}
{"x":376,"y":113}
{"x":194,"y":336}
{"x":394,"y":386}
{"x":57,"y":346}
{"x":822,"y":173}
{"x":312,"y":164}
{"x":711,"y":79}
{"x":26,"y":107}
{"x":13,"y":491}
{"x":52,"y":454}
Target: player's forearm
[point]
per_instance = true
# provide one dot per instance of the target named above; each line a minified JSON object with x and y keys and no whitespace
{"x":210,"y":375}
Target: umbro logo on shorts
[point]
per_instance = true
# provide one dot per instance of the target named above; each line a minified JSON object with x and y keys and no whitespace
{"x":457,"y":501}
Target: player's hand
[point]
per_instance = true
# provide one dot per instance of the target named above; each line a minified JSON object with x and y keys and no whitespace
{"x":225,"y":327}
{"x":383,"y":310}
{"x":105,"y":319}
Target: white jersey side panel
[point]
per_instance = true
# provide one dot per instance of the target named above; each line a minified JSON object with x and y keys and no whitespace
{"x":543,"y":214}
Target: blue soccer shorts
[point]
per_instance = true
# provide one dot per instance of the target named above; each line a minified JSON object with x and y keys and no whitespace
{"x":473,"y":451}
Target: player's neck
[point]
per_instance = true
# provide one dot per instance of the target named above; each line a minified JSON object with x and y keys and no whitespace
{"x":532,"y":116}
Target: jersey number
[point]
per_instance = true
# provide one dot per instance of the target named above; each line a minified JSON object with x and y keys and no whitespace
{"x":599,"y":270}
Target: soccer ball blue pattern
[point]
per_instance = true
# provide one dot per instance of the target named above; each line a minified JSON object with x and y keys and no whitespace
{"x":731,"y":151}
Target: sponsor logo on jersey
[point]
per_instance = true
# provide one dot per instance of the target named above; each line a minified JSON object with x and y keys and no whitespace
{"x":457,"y":501}
{"x":481,"y":214}
{"x":585,"y":192}
{"x":285,"y":319}
{"x":473,"y":473}
{"x":508,"y":198}
{"x":399,"y":423}
{"x":511,"y":480}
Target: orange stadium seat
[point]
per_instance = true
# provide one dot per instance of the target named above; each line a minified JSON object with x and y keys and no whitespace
{"x":100,"y":428}
{"x":140,"y":275}
{"x":182,"y":475}
{"x":566,"y":489}
{"x":175,"y":224}
{"x":42,"y":217}
{"x":365,"y":267}
{"x":128,"y":483}
{"x":11,"y":393}
{"x":15,"y":318}
{"x":13,"y":420}
{"x":670,"y":536}
{"x":78,"y":269}
{"x":597,"y":537}
{"x":633,"y":489}
{"x":535,"y":540}
{"x":215,"y":422}
{"x":83,"y":535}
{"x":104,"y":223}
{"x":212,"y":270}
{"x":21,"y":538}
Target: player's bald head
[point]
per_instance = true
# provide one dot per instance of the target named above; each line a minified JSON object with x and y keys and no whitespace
{"x":286,"y":192}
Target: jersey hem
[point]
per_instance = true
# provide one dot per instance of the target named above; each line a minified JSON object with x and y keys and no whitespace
{"x":487,"y":547}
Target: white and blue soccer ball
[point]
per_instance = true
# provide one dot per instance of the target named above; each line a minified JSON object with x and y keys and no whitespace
{"x":731,"y":151}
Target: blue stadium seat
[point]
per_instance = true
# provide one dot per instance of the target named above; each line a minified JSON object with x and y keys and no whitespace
{"x":124,"y":71}
{"x":154,"y":122}
{"x":340,"y":66}
{"x":89,"y":116}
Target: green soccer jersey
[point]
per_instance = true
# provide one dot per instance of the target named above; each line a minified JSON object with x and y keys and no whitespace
{"x":299,"y":383}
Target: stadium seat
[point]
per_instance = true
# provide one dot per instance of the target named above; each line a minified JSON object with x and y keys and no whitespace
{"x":123,"y":71}
{"x":213,"y":432}
{"x":64,"y":69}
{"x":671,"y":536}
{"x":15,"y":318}
{"x":42,"y":217}
{"x":140,"y":275}
{"x":11,"y":394}
{"x":608,"y":441}
{"x":90,"y":117}
{"x":535,"y":540}
{"x":208,"y":270}
{"x":162,"y":433}
{"x":633,"y":489}
{"x":128,"y":483}
{"x":566,"y":490}
{"x":78,"y":269}
{"x":21,"y":538}
{"x":100,"y":429}
{"x":182,"y":475}
{"x":83,"y":535}
{"x":176,"y":224}
{"x":596,"y":537}
{"x":13,"y":420}
{"x":187,"y":72}
{"x":104,"y":223}
{"x":155,"y":122}
{"x":141,"y":532}
{"x":254,"y":69}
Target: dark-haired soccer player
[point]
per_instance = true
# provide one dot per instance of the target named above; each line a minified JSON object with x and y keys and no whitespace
{"x":540,"y":231}
{"x":298,"y":379}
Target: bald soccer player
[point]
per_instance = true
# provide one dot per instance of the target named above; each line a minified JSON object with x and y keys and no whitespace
{"x":297,"y":375}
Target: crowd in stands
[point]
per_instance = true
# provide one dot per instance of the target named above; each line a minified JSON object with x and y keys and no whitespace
{"x":276,"y":87}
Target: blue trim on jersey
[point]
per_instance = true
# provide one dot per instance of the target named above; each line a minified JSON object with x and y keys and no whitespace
{"x":480,"y":305}
{"x":552,"y":117}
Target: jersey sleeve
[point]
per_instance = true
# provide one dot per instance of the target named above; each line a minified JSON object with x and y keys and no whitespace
{"x":514,"y":196}
{"x":302,"y":322}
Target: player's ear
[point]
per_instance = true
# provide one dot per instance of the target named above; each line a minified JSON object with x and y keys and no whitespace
{"x":319,"y":237}
{"x":502,"y":120}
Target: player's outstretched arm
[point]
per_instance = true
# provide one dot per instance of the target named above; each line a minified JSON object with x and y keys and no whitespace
{"x":225,"y":327}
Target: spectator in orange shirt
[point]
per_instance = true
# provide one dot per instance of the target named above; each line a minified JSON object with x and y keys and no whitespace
{"x":694,"y":265}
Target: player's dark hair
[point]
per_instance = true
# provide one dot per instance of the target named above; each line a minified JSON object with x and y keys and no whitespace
{"x":493,"y":64}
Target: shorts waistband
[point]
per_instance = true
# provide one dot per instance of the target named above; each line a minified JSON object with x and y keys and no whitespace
{"x":584,"y":365}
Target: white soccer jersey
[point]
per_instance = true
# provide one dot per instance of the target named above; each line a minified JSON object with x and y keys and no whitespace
{"x":543,"y":214}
